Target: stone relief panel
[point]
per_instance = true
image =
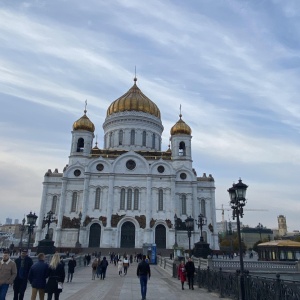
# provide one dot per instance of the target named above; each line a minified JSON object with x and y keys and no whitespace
{"x":115,"y":219}
{"x":68,"y":223}
{"x":142,"y":220}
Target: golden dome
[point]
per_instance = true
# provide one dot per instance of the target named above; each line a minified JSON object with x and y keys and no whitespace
{"x":84,"y":123}
{"x":181,"y":128}
{"x":134,"y":100}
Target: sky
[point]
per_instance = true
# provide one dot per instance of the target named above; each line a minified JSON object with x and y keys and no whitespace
{"x":233,"y":66}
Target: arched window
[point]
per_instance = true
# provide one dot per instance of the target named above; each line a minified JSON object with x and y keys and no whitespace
{"x":121,"y":137}
{"x":80,"y":145}
{"x":97,"y":198}
{"x":74,"y":202}
{"x":122,"y":199}
{"x":183,"y":204}
{"x":160,"y":200}
{"x":129,"y":199}
{"x":110,"y":140}
{"x":144,"y":138}
{"x":203,"y":208}
{"x":132,"y":137}
{"x":54,"y":203}
{"x":136,"y":199}
{"x":181,"y":149}
{"x":153,"y":141}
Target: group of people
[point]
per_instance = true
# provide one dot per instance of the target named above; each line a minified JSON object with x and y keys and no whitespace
{"x":186,"y":271}
{"x":43,"y":277}
{"x":99,"y":267}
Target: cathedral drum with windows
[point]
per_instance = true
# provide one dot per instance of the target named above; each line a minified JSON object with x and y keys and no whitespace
{"x":127,"y":193}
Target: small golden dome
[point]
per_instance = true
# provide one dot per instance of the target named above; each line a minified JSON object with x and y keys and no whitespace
{"x":181,"y":128}
{"x":84,"y":123}
{"x":134,"y":100}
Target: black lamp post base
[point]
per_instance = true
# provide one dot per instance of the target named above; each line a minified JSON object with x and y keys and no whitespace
{"x":201,"y":249}
{"x":77,"y":245}
{"x":46,"y":246}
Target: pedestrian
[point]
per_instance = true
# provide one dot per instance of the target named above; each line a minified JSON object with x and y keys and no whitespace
{"x":99,"y":268}
{"x":143,"y":272}
{"x":190,"y":271}
{"x":37,"y":277}
{"x":104,"y":264}
{"x":125,"y":264}
{"x":120,"y":266}
{"x":71,"y":268}
{"x":23,"y":263}
{"x":131,"y":258}
{"x":85,"y":260}
{"x":94,"y":268}
{"x":56,"y":277}
{"x":182,"y":274}
{"x":8,"y":272}
{"x":88,"y":259}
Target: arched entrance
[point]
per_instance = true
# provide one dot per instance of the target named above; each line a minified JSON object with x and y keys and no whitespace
{"x":95,"y":234}
{"x":160,"y":236}
{"x":128,"y":235}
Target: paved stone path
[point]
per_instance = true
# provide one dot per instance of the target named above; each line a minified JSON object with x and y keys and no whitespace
{"x":160,"y":287}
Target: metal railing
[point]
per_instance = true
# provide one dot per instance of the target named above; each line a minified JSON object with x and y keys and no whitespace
{"x":226,"y":284}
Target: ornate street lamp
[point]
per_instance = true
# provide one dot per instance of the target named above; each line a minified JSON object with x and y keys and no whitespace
{"x":260,"y":228}
{"x":78,"y":245}
{"x":22,"y":228}
{"x":189,"y":224}
{"x":201,"y":221}
{"x":48,"y":219}
{"x":175,"y":226}
{"x":237,"y":194}
{"x":31,"y":220}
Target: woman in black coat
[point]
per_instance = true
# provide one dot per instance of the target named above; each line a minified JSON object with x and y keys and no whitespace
{"x":56,"y":278}
{"x":71,"y":268}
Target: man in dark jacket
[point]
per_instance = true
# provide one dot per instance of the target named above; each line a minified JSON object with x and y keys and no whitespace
{"x":190,"y":271}
{"x":143,"y":271}
{"x":23,"y":263}
{"x":37,"y":277}
{"x":71,"y":268}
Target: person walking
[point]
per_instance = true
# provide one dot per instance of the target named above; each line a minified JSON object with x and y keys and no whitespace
{"x":120,"y":266}
{"x":143,"y":272}
{"x":8,"y":272}
{"x":94,"y":268}
{"x":125,"y":264}
{"x":56,"y":274}
{"x":37,"y":277}
{"x":182,"y":274}
{"x":71,"y":268}
{"x":23,"y":263}
{"x":190,"y":271}
{"x":103,"y":265}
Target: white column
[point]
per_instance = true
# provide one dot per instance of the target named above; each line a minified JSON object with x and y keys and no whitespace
{"x":61,"y":211}
{"x":85,"y":199}
{"x":148,"y":202}
{"x":110,"y":199}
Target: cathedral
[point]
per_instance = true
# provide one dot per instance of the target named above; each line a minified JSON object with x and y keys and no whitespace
{"x":126,"y":193}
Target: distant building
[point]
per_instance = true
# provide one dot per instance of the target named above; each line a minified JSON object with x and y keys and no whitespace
{"x":224,"y":227}
{"x":8,"y":221}
{"x":16,"y":221}
{"x":282,"y":227}
{"x":252,"y":235}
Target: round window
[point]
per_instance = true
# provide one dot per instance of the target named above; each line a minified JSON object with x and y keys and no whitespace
{"x":130,"y":164}
{"x":183,"y":176}
{"x":100,"y":167}
{"x":160,"y":169}
{"x":77,"y":173}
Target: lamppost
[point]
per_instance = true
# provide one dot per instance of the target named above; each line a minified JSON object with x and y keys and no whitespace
{"x":189,"y":224}
{"x":78,"y":245}
{"x":31,"y":220}
{"x":260,"y":228}
{"x":175,"y":226}
{"x":200,"y":223}
{"x":48,"y":219}
{"x":237,"y":195}
{"x":22,"y":228}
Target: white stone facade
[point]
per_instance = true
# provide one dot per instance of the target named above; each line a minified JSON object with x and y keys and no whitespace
{"x":129,"y":191}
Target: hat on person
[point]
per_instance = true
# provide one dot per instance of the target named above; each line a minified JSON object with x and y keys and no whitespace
{"x":24,"y":250}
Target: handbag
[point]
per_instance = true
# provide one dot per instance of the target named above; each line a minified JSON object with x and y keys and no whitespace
{"x":60,"y":285}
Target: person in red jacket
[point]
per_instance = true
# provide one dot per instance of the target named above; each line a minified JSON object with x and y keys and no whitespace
{"x":182,"y":273}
